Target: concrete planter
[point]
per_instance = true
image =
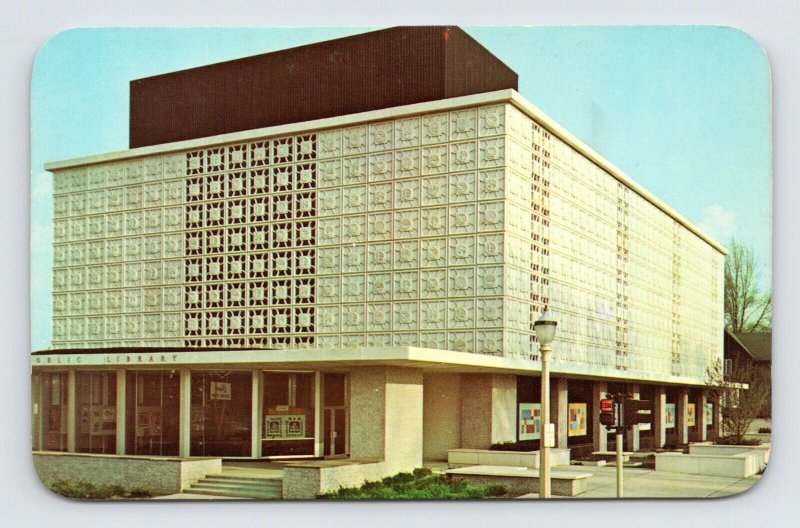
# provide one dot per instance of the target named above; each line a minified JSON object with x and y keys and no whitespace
{"x":486,"y":457}
{"x":306,"y":480}
{"x":708,"y":448}
{"x":521,"y":481}
{"x":740,"y":465}
{"x":159,"y":475}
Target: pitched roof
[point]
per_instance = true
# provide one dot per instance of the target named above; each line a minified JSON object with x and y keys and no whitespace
{"x":759,"y":344}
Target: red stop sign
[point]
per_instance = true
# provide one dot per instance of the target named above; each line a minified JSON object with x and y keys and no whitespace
{"x":606,"y":405}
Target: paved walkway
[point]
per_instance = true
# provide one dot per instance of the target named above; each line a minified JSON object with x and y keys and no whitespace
{"x":648,"y":483}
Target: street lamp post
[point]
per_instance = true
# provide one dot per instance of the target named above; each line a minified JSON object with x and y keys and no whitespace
{"x":545,"y":328}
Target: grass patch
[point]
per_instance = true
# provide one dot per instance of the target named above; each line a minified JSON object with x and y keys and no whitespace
{"x":419,"y":485}
{"x":87,"y":490}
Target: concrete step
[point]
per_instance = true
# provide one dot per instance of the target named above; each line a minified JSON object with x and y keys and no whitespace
{"x":241,"y":494}
{"x":243,"y":480}
{"x":233,"y":490}
{"x":242,"y":485}
{"x":236,"y":485}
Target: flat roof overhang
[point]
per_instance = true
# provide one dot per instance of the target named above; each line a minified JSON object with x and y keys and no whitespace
{"x":428,"y":359}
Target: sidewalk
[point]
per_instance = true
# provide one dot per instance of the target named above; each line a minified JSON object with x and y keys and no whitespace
{"x":648,"y":483}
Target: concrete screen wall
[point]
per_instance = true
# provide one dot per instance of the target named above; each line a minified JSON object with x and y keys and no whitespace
{"x":445,"y":225}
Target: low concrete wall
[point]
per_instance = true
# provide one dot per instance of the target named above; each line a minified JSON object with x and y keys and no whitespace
{"x":738,"y":466}
{"x":708,"y":448}
{"x":485,"y":457}
{"x":307,"y":480}
{"x":158,"y":475}
{"x":521,"y":481}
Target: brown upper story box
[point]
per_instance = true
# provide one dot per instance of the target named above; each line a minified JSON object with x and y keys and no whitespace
{"x":370,"y":71}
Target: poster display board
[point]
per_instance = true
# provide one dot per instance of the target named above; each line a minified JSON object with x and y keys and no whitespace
{"x":220,"y":390}
{"x":577,"y":419}
{"x":280,"y":427}
{"x":530,"y":421}
{"x":148,"y":421}
{"x":709,"y":413}
{"x":98,"y":419}
{"x":669,"y":415}
{"x":691,"y":415}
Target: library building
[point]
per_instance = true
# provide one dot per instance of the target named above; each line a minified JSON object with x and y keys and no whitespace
{"x":330,"y":259}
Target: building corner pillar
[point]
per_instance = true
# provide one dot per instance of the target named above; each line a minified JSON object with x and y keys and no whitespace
{"x":682,"y":417}
{"x":559,"y":411}
{"x":659,"y":417}
{"x":122,"y":408}
{"x":701,"y":419}
{"x":632,"y":434}
{"x":71,"y":411}
{"x":185,"y":422}
{"x":599,"y":431}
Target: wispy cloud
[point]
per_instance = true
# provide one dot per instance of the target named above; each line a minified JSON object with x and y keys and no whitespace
{"x":718,"y":222}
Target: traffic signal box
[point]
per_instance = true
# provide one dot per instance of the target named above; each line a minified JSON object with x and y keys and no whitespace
{"x":636,"y":412}
{"x":633,"y":412}
{"x":607,"y":415}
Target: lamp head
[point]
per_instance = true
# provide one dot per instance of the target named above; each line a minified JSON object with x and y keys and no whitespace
{"x":545,"y":327}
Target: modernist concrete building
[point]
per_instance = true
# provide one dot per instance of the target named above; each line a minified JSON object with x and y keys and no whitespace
{"x":352,"y":266}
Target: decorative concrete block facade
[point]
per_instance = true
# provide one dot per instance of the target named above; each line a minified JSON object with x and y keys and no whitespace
{"x":441,"y":229}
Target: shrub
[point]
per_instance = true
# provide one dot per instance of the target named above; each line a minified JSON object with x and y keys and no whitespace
{"x":421,"y":484}
{"x":525,"y":445}
{"x":766,"y":430}
{"x":421,"y":472}
{"x":732,"y":440}
{"x":87,"y":490}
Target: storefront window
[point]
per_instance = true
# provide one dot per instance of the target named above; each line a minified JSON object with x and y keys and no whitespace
{"x":288,"y":427}
{"x":53,"y":408}
{"x":153,"y":408}
{"x":221,"y":413}
{"x":96,"y":397}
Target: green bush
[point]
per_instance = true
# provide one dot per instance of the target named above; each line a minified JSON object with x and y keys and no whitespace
{"x":730,"y":440}
{"x":766,"y":430}
{"x":87,"y":490}
{"x":418,"y":485}
{"x":421,"y":472}
{"x":524,"y":445}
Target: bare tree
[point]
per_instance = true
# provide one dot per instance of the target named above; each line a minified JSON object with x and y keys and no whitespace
{"x":746,"y":308}
{"x":743,"y":392}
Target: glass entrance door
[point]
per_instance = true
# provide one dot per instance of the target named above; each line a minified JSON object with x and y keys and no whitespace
{"x":336,"y":433}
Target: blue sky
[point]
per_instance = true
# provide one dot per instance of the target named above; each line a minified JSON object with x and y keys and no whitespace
{"x":684,"y":110}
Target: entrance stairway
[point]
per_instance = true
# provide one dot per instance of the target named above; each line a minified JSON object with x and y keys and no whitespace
{"x":242,"y":483}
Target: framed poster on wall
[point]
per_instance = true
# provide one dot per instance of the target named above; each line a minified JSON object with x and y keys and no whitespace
{"x":577,"y":419}
{"x":709,"y":413}
{"x":530,"y":421}
{"x":691,"y":415}
{"x":669,"y":415}
{"x":273,"y":426}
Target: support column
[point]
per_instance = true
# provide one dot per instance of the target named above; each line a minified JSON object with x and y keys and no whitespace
{"x":682,"y":416}
{"x":255,"y":416}
{"x":559,"y":411}
{"x":122,"y":407}
{"x":319,"y":440}
{"x":36,"y":411}
{"x":716,"y":427}
{"x":632,"y":434}
{"x":700,"y":418}
{"x":599,"y":432}
{"x":185,"y":425}
{"x":659,"y":417}
{"x":71,"y":411}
